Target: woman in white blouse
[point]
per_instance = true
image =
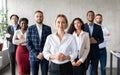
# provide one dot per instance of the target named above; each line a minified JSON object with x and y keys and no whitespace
{"x":60,"y":49}
{"x":83,"y":45}
{"x":22,"y":55}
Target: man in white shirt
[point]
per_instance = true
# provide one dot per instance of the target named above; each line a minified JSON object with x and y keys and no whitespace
{"x":102,"y":46}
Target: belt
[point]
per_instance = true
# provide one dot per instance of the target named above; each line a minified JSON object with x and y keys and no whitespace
{"x":103,"y":48}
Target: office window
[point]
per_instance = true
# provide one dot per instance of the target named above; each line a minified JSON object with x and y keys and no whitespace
{"x":3,"y":23}
{"x":3,"y":18}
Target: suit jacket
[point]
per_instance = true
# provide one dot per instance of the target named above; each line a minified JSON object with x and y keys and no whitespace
{"x":98,"y":35}
{"x":10,"y":30}
{"x":84,"y":46}
{"x":33,"y":43}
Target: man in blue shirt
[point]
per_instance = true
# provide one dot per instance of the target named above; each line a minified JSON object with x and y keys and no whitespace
{"x":96,"y":37}
{"x":12,"y":48}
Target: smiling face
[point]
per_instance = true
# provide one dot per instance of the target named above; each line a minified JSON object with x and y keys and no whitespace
{"x":90,"y":16}
{"x":23,"y":25}
{"x":14,"y":20}
{"x":61,"y":23}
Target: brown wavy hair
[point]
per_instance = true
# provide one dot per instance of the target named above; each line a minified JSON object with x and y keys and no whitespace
{"x":71,"y":29}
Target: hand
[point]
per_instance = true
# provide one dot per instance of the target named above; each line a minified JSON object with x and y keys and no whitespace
{"x":107,"y":35}
{"x":62,"y":57}
{"x":78,"y":63}
{"x":22,"y":42}
{"x":92,"y":40}
{"x":59,"y":57}
{"x":74,"y":63}
{"x":40,"y":56}
{"x":22,"y":38}
{"x":7,"y":35}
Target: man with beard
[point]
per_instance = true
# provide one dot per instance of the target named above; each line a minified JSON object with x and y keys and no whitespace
{"x":102,"y":46}
{"x":35,"y":40}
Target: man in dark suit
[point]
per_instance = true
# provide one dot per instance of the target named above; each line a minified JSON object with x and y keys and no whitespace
{"x":36,"y":37}
{"x":12,"y":48}
{"x":96,"y":37}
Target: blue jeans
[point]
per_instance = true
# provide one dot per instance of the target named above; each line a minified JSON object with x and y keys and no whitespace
{"x":103,"y":59}
{"x":34,"y":65}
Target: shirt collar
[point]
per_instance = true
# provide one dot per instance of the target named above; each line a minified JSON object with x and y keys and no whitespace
{"x":15,"y":25}
{"x":80,"y":33}
{"x":39,"y":26}
{"x":90,"y":25}
{"x":100,"y":25}
{"x":57,"y":35}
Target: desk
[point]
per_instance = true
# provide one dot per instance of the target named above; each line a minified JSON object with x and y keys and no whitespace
{"x":117,"y":55}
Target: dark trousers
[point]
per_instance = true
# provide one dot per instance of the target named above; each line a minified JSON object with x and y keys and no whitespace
{"x":93,"y":70}
{"x":34,"y":65}
{"x":60,"y":69}
{"x":103,"y":58}
{"x":79,"y":70}
{"x":12,"y":62}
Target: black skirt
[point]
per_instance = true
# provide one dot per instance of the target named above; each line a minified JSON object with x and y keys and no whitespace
{"x":79,"y":70}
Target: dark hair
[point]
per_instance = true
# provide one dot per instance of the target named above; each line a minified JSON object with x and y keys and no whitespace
{"x":90,"y":12}
{"x":72,"y":28}
{"x":99,"y":15}
{"x":62,"y":15}
{"x":24,"y":19}
{"x":15,"y":16}
{"x":38,"y":11}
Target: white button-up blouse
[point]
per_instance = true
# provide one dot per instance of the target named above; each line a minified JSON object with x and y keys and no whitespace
{"x":53,"y":46}
{"x":18,"y":36}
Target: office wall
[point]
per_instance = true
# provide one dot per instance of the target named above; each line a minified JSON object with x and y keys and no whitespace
{"x":71,"y":8}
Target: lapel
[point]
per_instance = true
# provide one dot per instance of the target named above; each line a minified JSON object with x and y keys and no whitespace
{"x":35,"y":31}
{"x":82,"y":40}
{"x":18,"y":27}
{"x":88,"y":30}
{"x":43,"y":32}
{"x":94,"y":29}
{"x":37,"y":35}
{"x":11,"y":28}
